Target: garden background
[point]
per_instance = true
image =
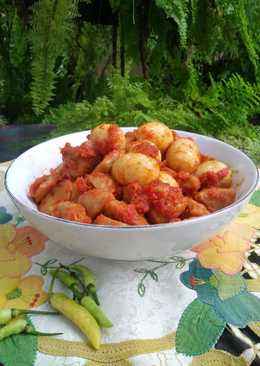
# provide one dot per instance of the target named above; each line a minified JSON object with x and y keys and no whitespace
{"x":193,"y":64}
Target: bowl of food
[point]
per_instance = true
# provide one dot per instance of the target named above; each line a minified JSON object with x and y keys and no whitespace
{"x":131,"y":194}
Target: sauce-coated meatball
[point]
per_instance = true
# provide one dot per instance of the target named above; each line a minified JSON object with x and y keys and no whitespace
{"x":135,"y":167}
{"x":214,"y":173}
{"x":107,"y":137}
{"x":145,"y":147}
{"x":183,"y":154}
{"x":165,"y":177}
{"x":156,"y":132}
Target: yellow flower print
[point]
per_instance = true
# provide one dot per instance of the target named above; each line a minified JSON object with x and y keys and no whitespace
{"x":8,"y":284}
{"x":226,"y":251}
{"x":23,"y":293}
{"x":15,"y":265}
{"x":250,"y":215}
{"x":28,"y":241}
{"x":12,"y":264}
{"x":7,"y":233}
{"x":17,"y":245}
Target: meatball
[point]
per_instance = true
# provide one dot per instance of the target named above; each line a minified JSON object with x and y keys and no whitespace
{"x":94,"y":201}
{"x":105,"y":165}
{"x":156,"y":132}
{"x":145,"y":147}
{"x":183,"y":154}
{"x":81,"y":185}
{"x":105,"y":220}
{"x":168,"y":202}
{"x":71,"y":211}
{"x":189,"y":183}
{"x":165,"y":168}
{"x":167,"y":178}
{"x":214,"y":173}
{"x":130,"y":137}
{"x":156,"y":217}
{"x":79,"y":160}
{"x":119,"y":210}
{"x":59,"y":193}
{"x":107,"y":137}
{"x":41,"y":187}
{"x":44,"y":184}
{"x":194,"y":209}
{"x":133,"y":193}
{"x":135,"y":167}
{"x":148,"y":175}
{"x":102,"y":181}
{"x":215,"y":198}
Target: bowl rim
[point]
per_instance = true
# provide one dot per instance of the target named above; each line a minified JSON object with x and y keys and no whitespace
{"x":194,"y":220}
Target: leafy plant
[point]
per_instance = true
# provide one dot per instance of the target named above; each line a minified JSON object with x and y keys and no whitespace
{"x":51,"y":30}
{"x":223,"y":110}
{"x":192,"y":64}
{"x":177,"y":10}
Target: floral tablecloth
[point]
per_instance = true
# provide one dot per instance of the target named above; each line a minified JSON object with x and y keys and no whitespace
{"x":198,"y":308}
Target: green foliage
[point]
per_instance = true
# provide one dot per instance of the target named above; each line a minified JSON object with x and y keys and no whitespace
{"x":18,"y":41}
{"x":243,"y":140}
{"x":222,"y":111}
{"x":237,"y":11}
{"x":246,"y":36}
{"x":90,"y":52}
{"x":14,"y":63}
{"x":177,"y":10}
{"x":82,"y":115}
{"x":51,"y":31}
{"x":199,"y":59}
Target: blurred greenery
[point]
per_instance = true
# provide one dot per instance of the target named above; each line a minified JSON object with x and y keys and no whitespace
{"x":193,"y":64}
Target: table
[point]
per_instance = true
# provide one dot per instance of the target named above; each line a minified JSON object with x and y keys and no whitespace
{"x":174,"y":299}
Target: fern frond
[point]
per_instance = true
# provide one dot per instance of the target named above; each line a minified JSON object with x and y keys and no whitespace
{"x":178,"y":11}
{"x":241,"y":93}
{"x":51,"y":29}
{"x":246,"y":36}
{"x":18,"y":41}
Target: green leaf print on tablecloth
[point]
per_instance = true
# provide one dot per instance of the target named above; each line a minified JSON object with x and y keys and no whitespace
{"x":199,"y":329}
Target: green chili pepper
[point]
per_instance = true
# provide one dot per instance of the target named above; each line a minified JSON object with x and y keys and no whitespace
{"x":87,"y":275}
{"x":78,"y":315}
{"x":96,"y":311}
{"x":20,"y":325}
{"x":68,"y":280}
{"x":88,"y":278}
{"x":7,"y":314}
{"x":15,"y":326}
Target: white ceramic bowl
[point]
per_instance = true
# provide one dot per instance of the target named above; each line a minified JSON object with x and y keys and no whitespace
{"x":126,"y":243}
